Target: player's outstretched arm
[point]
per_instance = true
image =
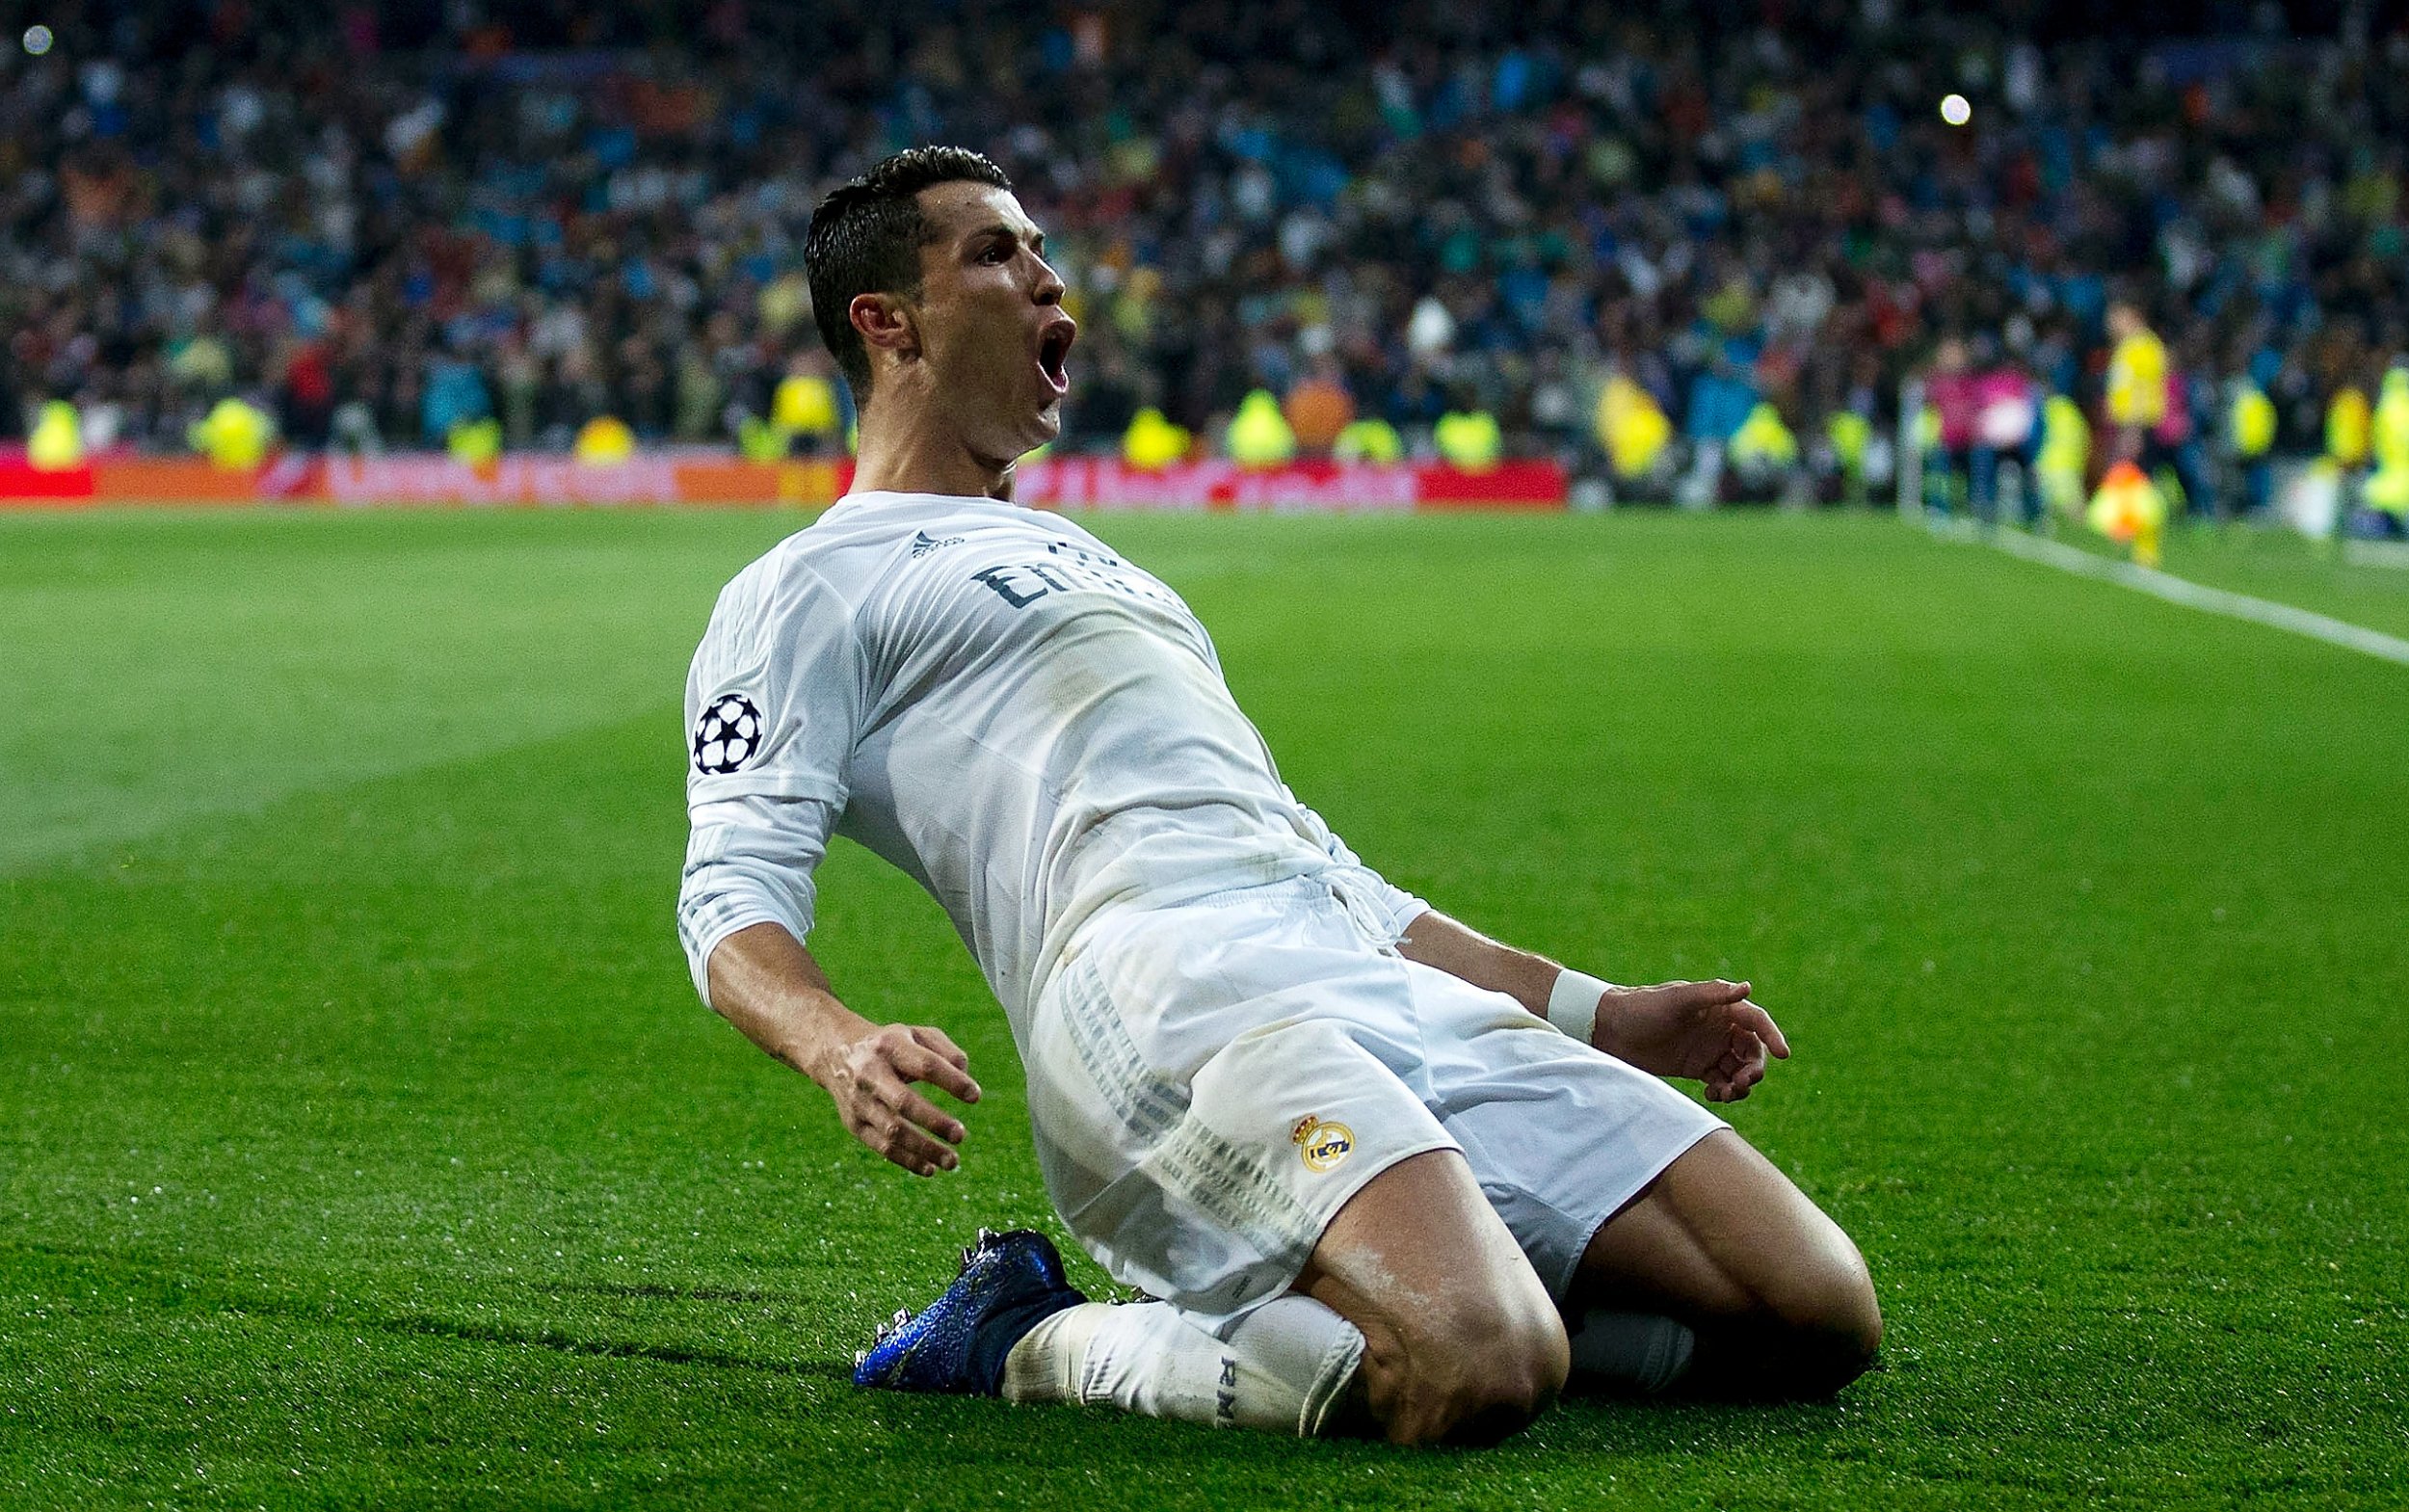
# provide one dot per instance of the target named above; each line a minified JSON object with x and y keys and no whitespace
{"x":765,"y":983}
{"x":1705,"y":1031}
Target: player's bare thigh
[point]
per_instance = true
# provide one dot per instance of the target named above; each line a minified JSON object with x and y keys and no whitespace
{"x":1461,"y":1341}
{"x":1721,"y":1240}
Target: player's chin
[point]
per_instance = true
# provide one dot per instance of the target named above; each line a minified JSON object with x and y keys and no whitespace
{"x":1046,"y":425}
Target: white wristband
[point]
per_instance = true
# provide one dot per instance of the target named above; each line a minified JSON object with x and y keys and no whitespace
{"x":1573,"y":1005}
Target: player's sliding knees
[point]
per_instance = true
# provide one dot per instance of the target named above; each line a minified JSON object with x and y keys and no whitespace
{"x":1817,"y":1322}
{"x":1809,"y":1320}
{"x":1816,"y":1328}
{"x":1779,"y":1298}
{"x":1474,"y":1369}
{"x":1462,"y":1343}
{"x":1843,"y":1322}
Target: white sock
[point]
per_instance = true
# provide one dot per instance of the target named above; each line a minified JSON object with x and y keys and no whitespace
{"x":1632,"y":1350}
{"x":1282,"y":1369}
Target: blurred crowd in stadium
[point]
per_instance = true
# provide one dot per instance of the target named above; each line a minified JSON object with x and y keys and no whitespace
{"x":1696,"y":252}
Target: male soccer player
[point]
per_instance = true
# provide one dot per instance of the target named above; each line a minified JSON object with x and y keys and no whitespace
{"x":1374,"y":1171}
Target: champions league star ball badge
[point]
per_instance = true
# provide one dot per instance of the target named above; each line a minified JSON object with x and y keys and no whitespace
{"x":728,"y":735}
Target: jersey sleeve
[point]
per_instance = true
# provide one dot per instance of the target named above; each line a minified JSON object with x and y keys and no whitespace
{"x":776,"y":694}
{"x":775,"y":704}
{"x":1395,"y":906}
{"x":749,"y":860}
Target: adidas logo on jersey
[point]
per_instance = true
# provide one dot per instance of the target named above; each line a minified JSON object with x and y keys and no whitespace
{"x":922,"y":542}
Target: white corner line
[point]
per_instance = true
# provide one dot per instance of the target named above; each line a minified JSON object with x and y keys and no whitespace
{"x":2182,"y":590}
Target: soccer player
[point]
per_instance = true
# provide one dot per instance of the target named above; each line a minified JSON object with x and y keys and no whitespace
{"x":1374,"y":1171}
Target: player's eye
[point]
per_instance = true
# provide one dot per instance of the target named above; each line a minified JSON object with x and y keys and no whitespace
{"x":995,"y":253}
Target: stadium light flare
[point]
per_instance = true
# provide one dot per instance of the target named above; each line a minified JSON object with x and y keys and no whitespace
{"x":1956,"y":110}
{"x":37,"y":39}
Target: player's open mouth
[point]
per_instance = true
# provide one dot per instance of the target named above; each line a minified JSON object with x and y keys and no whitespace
{"x":1054,"y":353}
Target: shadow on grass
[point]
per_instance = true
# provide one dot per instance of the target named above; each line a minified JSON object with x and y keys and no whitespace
{"x":438,"y":1326}
{"x":1586,"y":1428}
{"x":1580,"y":1427}
{"x":653,"y":1291}
{"x":258,"y":1292}
{"x":1597,"y":1424}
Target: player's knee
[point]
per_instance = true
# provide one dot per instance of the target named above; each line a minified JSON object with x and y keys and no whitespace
{"x":1850,"y":1328}
{"x":1478,"y":1374}
{"x":1838,"y":1301}
{"x":1831,"y":1324}
{"x":1518,"y":1371}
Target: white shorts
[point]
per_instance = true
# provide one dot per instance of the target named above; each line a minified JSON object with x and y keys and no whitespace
{"x":1209,"y":1084}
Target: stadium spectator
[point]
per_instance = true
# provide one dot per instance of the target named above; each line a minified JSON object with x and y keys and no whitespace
{"x":388,"y":223}
{"x":1319,"y":409}
{"x":1954,"y":404}
{"x":2248,"y":436}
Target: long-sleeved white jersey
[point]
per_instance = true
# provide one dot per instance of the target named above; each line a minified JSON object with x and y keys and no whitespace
{"x":991,"y":700}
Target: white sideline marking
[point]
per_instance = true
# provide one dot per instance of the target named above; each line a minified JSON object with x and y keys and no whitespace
{"x":2183,"y":591}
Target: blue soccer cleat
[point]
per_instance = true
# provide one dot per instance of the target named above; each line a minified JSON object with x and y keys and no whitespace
{"x":1009,"y":1283}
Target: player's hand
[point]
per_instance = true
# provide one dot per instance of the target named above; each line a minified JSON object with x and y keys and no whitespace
{"x":871,"y":1078}
{"x":1706,"y":1031}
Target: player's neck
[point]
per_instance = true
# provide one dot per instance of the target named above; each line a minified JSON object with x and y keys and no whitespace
{"x":903,"y":453}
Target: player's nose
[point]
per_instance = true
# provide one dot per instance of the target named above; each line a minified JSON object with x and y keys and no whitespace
{"x":1049,"y":288}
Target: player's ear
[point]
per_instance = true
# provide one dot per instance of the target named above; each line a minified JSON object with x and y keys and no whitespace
{"x":886,"y":324}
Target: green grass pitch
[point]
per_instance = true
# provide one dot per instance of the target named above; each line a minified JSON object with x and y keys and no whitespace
{"x":362,"y":1143}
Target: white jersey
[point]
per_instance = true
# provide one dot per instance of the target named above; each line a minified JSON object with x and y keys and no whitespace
{"x":991,"y":700}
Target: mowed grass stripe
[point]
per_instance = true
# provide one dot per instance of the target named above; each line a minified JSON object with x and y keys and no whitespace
{"x":373,"y":1134}
{"x":173,"y":665}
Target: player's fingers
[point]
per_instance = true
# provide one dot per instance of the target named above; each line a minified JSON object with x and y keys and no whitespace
{"x":877,"y":1129}
{"x":1752,"y":1070}
{"x":928,"y":1115}
{"x":1751,"y":1050}
{"x":917,"y":1152}
{"x":917,"y":1062}
{"x":1742,"y":1066}
{"x":1719,"y":1077}
{"x":1701,"y":1002}
{"x":890,"y":1134}
{"x":892,"y":1100}
{"x":943,"y":1044}
{"x":1759,"y":1022}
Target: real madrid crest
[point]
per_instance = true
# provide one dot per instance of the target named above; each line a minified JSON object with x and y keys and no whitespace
{"x":1321,"y":1142}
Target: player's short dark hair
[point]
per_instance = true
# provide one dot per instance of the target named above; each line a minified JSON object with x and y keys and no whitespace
{"x":866,"y":236}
